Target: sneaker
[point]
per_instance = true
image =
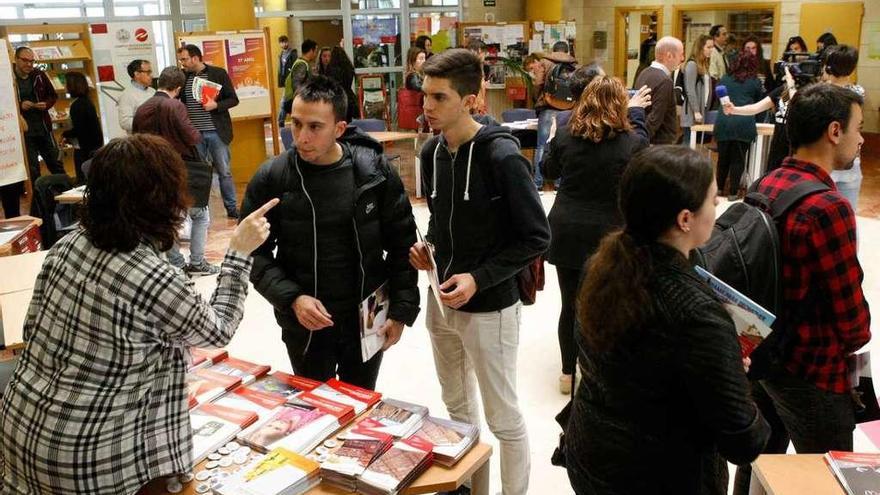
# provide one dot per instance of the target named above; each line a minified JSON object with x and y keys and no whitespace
{"x":233,"y":213}
{"x":204,"y":268}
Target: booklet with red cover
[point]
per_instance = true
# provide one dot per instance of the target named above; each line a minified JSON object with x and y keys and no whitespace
{"x":201,"y":358}
{"x":858,"y":474}
{"x":246,"y":370}
{"x":204,"y":386}
{"x":284,"y":384}
{"x":214,"y":425}
{"x":359,"y":398}
{"x":396,"y":468}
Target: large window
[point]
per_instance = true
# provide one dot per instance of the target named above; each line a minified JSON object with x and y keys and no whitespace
{"x":376,"y":40}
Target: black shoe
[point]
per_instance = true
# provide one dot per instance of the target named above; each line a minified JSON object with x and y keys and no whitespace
{"x":233,"y":213}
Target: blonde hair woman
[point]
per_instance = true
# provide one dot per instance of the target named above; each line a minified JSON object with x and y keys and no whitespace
{"x":697,"y":85}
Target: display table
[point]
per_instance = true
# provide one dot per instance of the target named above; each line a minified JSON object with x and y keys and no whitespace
{"x":756,"y":158}
{"x":392,"y":136}
{"x":779,"y":474}
{"x":435,"y":479}
{"x":16,"y":288}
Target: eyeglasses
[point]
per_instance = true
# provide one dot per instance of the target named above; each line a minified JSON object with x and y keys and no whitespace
{"x":145,"y":71}
{"x":26,"y":60}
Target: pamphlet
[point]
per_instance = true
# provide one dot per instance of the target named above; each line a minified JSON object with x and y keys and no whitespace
{"x":751,"y":320}
{"x":374,"y":314}
{"x":204,"y":90}
{"x":433,"y":277}
{"x":857,"y":473}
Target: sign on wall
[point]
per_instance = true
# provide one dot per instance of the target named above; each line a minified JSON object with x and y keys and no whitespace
{"x":12,"y":163}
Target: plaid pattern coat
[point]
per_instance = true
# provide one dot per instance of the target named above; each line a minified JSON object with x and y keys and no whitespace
{"x":97,"y":403}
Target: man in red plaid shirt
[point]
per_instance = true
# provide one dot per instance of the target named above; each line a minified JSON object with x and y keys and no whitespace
{"x":825,"y":313}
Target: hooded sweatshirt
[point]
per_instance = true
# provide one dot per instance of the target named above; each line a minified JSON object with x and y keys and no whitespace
{"x":486,"y":216}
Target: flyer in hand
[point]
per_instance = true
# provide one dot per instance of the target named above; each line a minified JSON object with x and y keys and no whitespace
{"x":433,"y":276}
{"x":373,"y":314}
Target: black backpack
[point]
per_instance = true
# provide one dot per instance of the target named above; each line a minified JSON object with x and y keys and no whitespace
{"x":745,"y":251}
{"x":557,"y":89}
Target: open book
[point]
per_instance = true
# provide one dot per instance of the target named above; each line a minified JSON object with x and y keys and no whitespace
{"x":751,"y":320}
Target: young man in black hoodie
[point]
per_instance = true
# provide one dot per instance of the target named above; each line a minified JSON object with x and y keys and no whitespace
{"x":343,"y":228}
{"x":487,"y":223}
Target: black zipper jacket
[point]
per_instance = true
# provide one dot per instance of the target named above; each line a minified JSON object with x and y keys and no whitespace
{"x":486,"y":216}
{"x":383,"y":225}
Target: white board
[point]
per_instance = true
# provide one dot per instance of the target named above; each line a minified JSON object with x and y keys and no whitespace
{"x":12,"y":162}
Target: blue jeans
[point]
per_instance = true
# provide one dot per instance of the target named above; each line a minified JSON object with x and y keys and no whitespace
{"x":546,"y":116}
{"x":201,"y":219}
{"x":849,"y":182}
{"x":282,"y":114}
{"x":215,"y":151}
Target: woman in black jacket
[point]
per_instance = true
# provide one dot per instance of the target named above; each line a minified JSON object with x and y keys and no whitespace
{"x":664,"y":400}
{"x":341,"y":70}
{"x":602,"y":129}
{"x":85,"y":133}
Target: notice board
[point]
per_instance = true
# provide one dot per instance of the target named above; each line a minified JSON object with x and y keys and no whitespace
{"x":12,"y":164}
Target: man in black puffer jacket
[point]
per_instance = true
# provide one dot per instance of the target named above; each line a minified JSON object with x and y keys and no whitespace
{"x":343,"y":228}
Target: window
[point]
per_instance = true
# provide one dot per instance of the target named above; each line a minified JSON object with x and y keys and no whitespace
{"x":441,"y":27}
{"x":376,"y":40}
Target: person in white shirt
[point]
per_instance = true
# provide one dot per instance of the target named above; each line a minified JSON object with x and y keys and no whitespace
{"x":141,"y":73}
{"x":718,"y":64}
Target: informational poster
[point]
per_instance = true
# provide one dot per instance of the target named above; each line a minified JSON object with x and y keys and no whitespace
{"x":12,"y":164}
{"x":114,"y":46}
{"x":245,"y":64}
{"x":243,"y":54}
{"x":374,"y":31}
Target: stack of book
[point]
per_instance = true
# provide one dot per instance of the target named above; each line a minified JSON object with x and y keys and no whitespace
{"x":858,"y":474}
{"x":397,"y":418}
{"x":359,"y":398}
{"x":298,"y":425}
{"x":248,"y":372}
{"x":347,"y":458}
{"x":214,"y":425}
{"x":268,"y":393}
{"x":280,"y":472}
{"x":284,"y":384}
{"x":451,"y":439}
{"x":204,"y":386}
{"x":396,"y":468}
{"x":201,"y":358}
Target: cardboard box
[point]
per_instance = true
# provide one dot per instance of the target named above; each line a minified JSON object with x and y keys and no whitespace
{"x":20,"y":235}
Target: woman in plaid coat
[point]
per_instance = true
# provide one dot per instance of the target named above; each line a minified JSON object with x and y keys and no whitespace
{"x":97,"y":403}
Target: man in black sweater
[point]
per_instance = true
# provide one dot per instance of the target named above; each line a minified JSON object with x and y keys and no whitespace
{"x":487,"y":223}
{"x":343,"y":229}
{"x":661,"y":118}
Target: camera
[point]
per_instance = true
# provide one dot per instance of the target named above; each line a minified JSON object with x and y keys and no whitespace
{"x":804,"y":67}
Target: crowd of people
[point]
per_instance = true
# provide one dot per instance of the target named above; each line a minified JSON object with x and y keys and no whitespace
{"x":327,"y":222}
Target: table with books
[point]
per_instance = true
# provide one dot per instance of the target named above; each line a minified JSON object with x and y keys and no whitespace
{"x":257,"y":433}
{"x":757,"y":150}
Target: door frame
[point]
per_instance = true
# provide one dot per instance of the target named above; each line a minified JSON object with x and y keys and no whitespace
{"x":620,"y":32}
{"x":678,"y":10}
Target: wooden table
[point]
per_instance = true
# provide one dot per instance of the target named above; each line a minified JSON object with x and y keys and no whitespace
{"x":392,"y":136}
{"x":435,"y":479}
{"x":756,"y":150}
{"x":800,"y":474}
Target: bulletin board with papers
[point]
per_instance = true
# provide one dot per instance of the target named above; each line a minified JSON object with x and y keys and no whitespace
{"x":12,"y":163}
{"x":546,"y":33}
{"x":245,"y":56}
{"x":500,"y":33}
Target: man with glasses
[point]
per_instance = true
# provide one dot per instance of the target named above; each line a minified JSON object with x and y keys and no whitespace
{"x":36,"y":96}
{"x":141,"y":74}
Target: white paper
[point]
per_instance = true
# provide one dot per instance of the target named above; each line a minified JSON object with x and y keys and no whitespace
{"x":12,"y":164}
{"x":433,"y":277}
{"x":374,"y":314}
{"x":539,"y":26}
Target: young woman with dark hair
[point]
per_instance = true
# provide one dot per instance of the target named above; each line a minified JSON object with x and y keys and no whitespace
{"x":609,"y":128}
{"x":107,"y":332}
{"x":734,"y":134}
{"x":341,"y":70}
{"x":664,"y":389}
{"x":765,"y":68}
{"x":323,"y":60}
{"x":413,"y":75}
{"x":85,"y":132}
{"x":795,"y":44}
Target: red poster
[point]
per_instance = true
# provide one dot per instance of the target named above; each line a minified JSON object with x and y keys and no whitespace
{"x":213,"y":54}
{"x":246,"y":62}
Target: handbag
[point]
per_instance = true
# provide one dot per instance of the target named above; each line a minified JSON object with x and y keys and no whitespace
{"x":530,"y":280}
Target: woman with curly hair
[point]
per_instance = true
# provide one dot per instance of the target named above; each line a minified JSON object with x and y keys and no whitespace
{"x":734,"y":133}
{"x":98,"y":402}
{"x":607,"y":127}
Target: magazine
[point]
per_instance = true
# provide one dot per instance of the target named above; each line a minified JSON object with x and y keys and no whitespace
{"x":374,"y":313}
{"x":359,"y":398}
{"x":202,"y":358}
{"x":280,"y":472}
{"x":214,"y":425}
{"x":751,"y":320}
{"x":359,"y":448}
{"x":247,"y":371}
{"x":204,"y":90}
{"x":204,"y":386}
{"x":433,"y":277}
{"x":397,"y":418}
{"x":284,"y":384}
{"x":451,"y":439}
{"x":858,"y":474}
{"x":397,"y":467}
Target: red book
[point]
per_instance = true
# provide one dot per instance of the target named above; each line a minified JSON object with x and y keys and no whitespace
{"x":205,"y":386}
{"x":284,"y":384}
{"x":245,"y":370}
{"x":206,"y":357}
{"x":359,"y":398}
{"x":238,"y":416}
{"x":343,"y":412}
{"x":857,"y":473}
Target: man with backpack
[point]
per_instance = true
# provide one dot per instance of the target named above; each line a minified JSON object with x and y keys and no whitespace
{"x":551,"y":84}
{"x":807,"y":272}
{"x":662,"y":121}
{"x":486,"y":225}
{"x":343,"y":229}
{"x":298,"y":74}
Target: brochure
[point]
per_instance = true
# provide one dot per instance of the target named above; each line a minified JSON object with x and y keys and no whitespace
{"x":374,"y":313}
{"x":433,"y":277}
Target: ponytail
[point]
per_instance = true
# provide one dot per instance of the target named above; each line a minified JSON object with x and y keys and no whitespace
{"x":614,"y":297}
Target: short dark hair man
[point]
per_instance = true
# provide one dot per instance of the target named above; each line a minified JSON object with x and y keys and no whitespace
{"x":662,"y":121}
{"x":487,"y":223}
{"x":718,"y":62}
{"x":211,"y":118}
{"x":545,"y":106}
{"x":825,"y":315}
{"x":285,"y":59}
{"x":299,"y":73}
{"x":343,"y":209}
{"x":164,"y":115}
{"x":36,"y":96}
{"x":141,"y":74}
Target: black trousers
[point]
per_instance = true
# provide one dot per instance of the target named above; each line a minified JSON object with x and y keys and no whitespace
{"x":332,"y":352}
{"x":44,"y":146}
{"x":815,"y":420}
{"x":10,"y":198}
{"x":732,"y":161}
{"x":569,"y":279}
